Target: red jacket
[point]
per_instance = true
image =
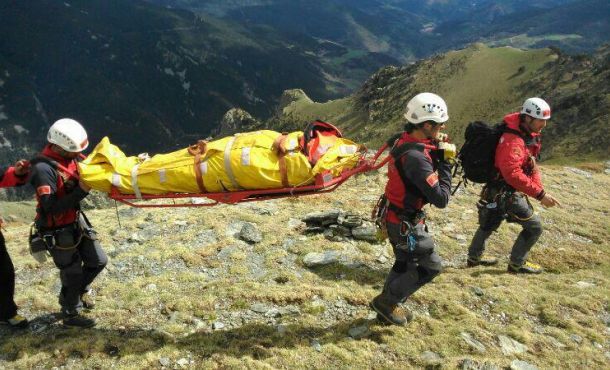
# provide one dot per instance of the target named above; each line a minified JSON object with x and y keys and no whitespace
{"x":57,"y":191}
{"x":516,"y":159}
{"x":427,"y":181}
{"x":9,"y":179}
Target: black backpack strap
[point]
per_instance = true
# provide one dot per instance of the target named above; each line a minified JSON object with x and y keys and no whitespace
{"x":51,"y":162}
{"x":85,"y":218}
{"x":398,"y":151}
{"x":392,"y":140}
{"x":514,"y":132}
{"x":44,"y":159}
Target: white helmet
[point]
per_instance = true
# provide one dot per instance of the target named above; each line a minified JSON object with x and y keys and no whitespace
{"x":536,"y":108}
{"x":69,"y":135}
{"x":426,"y":107}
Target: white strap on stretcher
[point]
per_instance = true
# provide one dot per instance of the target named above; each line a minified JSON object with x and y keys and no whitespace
{"x":116,"y":180}
{"x":227,"y":158}
{"x":245,"y":156}
{"x":162,"y":176}
{"x":134,"y":181}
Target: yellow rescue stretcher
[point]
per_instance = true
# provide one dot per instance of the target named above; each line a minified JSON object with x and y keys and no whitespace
{"x":245,"y":167}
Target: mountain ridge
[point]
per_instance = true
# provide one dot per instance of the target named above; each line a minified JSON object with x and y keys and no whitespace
{"x":480,"y":83}
{"x":132,"y":69}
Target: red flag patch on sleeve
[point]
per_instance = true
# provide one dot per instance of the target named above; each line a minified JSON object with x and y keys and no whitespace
{"x":516,"y":151}
{"x":43,"y":190}
{"x":432,"y":179}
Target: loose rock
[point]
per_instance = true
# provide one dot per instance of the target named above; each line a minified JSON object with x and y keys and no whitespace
{"x":321,"y":218}
{"x":259,"y":308}
{"x":576,"y":338}
{"x":182,"y":362}
{"x":522,"y":365}
{"x":164,"y":361}
{"x":349,"y":220}
{"x":365,"y":232}
{"x":431,"y":358}
{"x":468,"y":338}
{"x":469,"y":364}
{"x":250,"y":233}
{"x":295,"y":224}
{"x":359,"y":332}
{"x":320,"y":259}
{"x":510,"y":346}
{"x":316,"y":345}
{"x":584,"y":285}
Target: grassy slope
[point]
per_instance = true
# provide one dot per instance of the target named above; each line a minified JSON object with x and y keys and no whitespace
{"x":139,"y":325}
{"x":477,"y":83}
{"x":481,"y":83}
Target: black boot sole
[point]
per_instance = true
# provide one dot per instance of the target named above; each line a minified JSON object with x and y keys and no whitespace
{"x":79,"y":326}
{"x":386,"y":320}
{"x":481,"y":263}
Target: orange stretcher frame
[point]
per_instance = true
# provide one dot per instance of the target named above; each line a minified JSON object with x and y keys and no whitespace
{"x":324,"y":183}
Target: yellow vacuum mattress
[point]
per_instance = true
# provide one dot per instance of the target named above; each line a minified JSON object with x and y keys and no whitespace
{"x":255,"y":160}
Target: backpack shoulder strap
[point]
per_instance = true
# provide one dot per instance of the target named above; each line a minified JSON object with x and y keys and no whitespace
{"x":398,"y":151}
{"x":53,"y":163}
{"x":504,"y":128}
{"x":392,"y":140}
{"x":44,"y":159}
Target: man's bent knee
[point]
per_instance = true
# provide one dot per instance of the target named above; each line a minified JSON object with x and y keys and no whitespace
{"x":533,"y":228}
{"x":400,"y":266}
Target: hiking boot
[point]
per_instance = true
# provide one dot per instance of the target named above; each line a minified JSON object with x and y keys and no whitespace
{"x":474,"y":261}
{"x":78,"y":321}
{"x":526,"y":268}
{"x":17,"y":322}
{"x":87,"y":299}
{"x":388,"y":312}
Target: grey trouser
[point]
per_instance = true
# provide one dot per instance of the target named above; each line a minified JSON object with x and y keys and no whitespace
{"x":78,"y":267}
{"x":517,"y":209}
{"x":412,"y":268}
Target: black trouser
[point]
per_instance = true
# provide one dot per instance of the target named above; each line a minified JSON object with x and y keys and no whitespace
{"x":8,"y":308}
{"x":515,"y":209}
{"x":412,"y":268}
{"x":78,"y":267}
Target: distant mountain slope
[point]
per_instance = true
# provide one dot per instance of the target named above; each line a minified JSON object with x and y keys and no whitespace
{"x":577,"y":27}
{"x":147,"y":76}
{"x":480,"y":83}
{"x":158,"y":77}
{"x":351,"y":37}
{"x":408,"y":29}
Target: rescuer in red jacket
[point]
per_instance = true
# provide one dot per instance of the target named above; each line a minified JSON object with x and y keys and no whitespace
{"x":69,"y":237}
{"x":519,"y":178}
{"x":418,"y":174}
{"x":11,"y":176}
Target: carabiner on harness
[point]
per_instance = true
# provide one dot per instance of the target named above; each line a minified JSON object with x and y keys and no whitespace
{"x":407,"y":231}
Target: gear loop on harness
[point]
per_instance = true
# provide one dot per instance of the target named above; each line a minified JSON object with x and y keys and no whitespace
{"x":499,"y":195}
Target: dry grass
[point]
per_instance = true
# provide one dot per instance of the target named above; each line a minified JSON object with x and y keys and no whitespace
{"x":160,"y":296}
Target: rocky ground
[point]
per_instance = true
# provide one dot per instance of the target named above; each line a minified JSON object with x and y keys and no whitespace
{"x":286,"y":284}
